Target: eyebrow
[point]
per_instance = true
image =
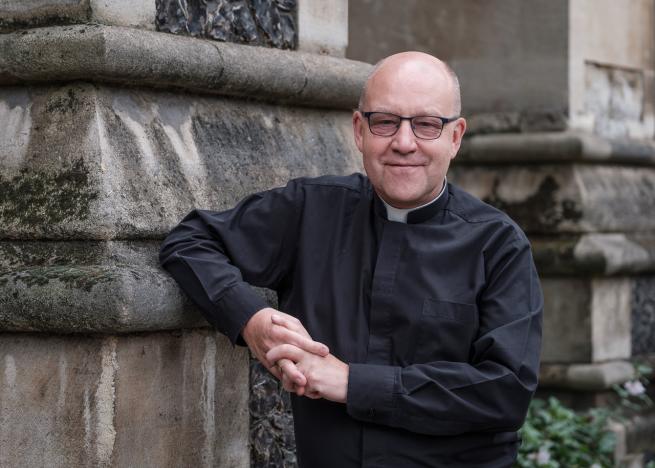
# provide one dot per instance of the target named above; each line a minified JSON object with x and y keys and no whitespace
{"x":428,"y":112}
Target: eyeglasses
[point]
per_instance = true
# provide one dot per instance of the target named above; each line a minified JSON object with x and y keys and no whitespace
{"x":425,"y":127}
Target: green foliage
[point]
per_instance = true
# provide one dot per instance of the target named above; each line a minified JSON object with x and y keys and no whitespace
{"x":555,"y":436}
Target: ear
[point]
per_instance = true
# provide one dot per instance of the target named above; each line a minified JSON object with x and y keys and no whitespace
{"x":457,"y":135}
{"x":358,"y":130}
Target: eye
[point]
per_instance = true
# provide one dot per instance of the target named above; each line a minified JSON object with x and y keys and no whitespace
{"x":427,"y":123}
{"x":384,"y":120}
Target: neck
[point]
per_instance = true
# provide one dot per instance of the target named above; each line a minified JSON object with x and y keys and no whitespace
{"x":400,"y":214}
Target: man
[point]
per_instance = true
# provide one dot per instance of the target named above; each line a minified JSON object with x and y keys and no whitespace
{"x":427,"y":298}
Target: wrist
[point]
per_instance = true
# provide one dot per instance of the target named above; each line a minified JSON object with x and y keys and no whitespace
{"x":255,"y":324}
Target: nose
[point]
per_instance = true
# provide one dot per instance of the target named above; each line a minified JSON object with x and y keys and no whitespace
{"x":404,"y":141}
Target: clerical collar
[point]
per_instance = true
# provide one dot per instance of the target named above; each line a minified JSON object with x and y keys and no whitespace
{"x":400,"y":215}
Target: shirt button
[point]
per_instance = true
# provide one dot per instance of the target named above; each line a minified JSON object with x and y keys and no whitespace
{"x":371,"y":412}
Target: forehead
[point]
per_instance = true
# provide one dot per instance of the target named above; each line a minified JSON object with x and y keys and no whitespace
{"x":410,"y":88}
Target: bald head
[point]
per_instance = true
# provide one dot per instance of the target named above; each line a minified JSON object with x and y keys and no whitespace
{"x":414,"y":64}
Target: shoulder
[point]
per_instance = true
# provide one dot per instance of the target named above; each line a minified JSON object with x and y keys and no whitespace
{"x":354,"y":182}
{"x":477,"y":213}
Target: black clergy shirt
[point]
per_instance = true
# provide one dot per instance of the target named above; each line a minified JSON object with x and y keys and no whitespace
{"x":439,"y":319}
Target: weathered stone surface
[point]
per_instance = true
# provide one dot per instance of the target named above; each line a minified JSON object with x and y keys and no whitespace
{"x":614,"y":99}
{"x":257,"y":22}
{"x":559,"y":199}
{"x":635,"y":438}
{"x":144,"y":58}
{"x":567,"y":320}
{"x":154,"y":400}
{"x":131,"y":13}
{"x":88,"y":162}
{"x":590,"y":377}
{"x":554,"y":147}
{"x":323,"y":26}
{"x":538,"y":66}
{"x":611,"y":75}
{"x":36,"y":13}
{"x":595,"y":253}
{"x":643,"y":315}
{"x":586,"y":320}
{"x":611,"y":315}
{"x":482,"y":41}
{"x":83,"y":287}
{"x":89,"y":287}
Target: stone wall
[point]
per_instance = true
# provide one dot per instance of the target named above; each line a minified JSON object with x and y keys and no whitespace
{"x":110,"y":132}
{"x":558,"y":97}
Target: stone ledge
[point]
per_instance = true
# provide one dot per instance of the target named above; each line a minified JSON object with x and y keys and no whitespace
{"x":572,"y":198}
{"x":90,"y":287}
{"x":595,"y":253}
{"x":114,"y":54}
{"x":588,"y":377}
{"x":554,"y":147}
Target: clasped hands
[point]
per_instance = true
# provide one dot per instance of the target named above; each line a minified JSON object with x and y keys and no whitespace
{"x":304,"y":366}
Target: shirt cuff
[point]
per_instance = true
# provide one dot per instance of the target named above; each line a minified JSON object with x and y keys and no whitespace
{"x":371,"y":390}
{"x":238,"y":305}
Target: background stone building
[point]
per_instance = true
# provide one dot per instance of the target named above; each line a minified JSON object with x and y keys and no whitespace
{"x":117,"y":118}
{"x":559,"y":100}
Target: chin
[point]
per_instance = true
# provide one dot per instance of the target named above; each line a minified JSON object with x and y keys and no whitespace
{"x":403,"y":200}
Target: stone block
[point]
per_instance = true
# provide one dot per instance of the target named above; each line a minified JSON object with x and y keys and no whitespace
{"x":323,"y":26}
{"x":561,"y":199}
{"x":130,"y":13}
{"x":84,"y":287}
{"x":595,"y":254}
{"x":527,"y":66}
{"x":135,"y":57}
{"x":38,"y":13}
{"x":151,"y":400}
{"x":89,"y":287}
{"x":93,"y":162}
{"x":616,"y":66}
{"x":481,"y":41}
{"x":585,"y":377}
{"x":587,"y":320}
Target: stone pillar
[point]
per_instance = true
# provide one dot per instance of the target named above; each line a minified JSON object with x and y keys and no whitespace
{"x":558,"y":95}
{"x":111,"y":130}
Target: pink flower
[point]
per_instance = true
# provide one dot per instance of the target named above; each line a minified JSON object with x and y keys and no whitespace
{"x":634,"y":387}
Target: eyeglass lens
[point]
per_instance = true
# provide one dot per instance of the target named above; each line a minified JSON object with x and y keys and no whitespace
{"x":426,"y":127}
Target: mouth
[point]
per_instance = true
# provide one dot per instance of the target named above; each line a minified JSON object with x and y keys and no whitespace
{"x":403,"y":165}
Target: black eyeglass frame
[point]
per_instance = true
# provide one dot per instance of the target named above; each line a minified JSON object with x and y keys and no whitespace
{"x":444,"y":121}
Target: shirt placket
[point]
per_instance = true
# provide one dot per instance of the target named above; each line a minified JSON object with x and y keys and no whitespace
{"x":381,"y":327}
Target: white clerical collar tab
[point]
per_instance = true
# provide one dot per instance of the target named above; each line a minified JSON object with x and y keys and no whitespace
{"x":400,"y":214}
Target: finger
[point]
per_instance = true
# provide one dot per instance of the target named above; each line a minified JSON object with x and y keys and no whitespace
{"x":284,"y":351}
{"x":287,"y":383}
{"x":290,"y":322}
{"x":275,"y":370}
{"x":290,"y":370}
{"x":302,"y":342}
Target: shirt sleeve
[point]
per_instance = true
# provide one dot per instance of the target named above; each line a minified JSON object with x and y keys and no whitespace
{"x":216,"y":256}
{"x":490,"y":392}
